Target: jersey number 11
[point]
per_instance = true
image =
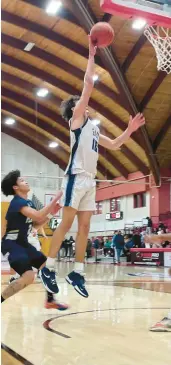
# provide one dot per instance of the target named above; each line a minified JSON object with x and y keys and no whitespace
{"x":95,"y":145}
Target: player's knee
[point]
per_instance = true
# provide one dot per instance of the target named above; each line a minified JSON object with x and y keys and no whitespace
{"x":28,"y":277}
{"x":66,"y":225}
{"x":84,"y":228}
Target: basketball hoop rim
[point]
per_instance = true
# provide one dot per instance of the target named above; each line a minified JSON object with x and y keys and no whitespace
{"x":155,"y":36}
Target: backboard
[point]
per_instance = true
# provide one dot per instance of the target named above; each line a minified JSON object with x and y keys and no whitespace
{"x":155,"y":12}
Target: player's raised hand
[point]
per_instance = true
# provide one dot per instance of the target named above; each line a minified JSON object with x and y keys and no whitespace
{"x":92,"y":47}
{"x":55,"y":209}
{"x":57,"y":197}
{"x":136,"y":122}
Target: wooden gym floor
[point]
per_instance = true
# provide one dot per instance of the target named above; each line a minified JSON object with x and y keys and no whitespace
{"x":110,"y":327}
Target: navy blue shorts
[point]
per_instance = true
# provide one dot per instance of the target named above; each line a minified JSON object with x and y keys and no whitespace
{"x":22,"y":259}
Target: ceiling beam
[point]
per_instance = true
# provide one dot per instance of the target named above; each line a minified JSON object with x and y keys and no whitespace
{"x":15,"y":133}
{"x":160,"y":136}
{"x":131,"y":156}
{"x":60,"y":63}
{"x":29,"y":86}
{"x":63,"y":12}
{"x":25,"y":85}
{"x":34,"y":133}
{"x":150,"y":92}
{"x":114,"y":161}
{"x":6,"y":106}
{"x":69,"y":89}
{"x":83,"y":13}
{"x":30,"y":103}
{"x":133,"y":53}
{"x":47,"y":33}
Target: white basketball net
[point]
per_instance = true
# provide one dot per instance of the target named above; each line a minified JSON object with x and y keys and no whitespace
{"x":160,"y":38}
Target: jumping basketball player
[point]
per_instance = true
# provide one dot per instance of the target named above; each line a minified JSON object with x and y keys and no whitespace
{"x":19,"y":223}
{"x":79,"y":185}
{"x":165,"y":324}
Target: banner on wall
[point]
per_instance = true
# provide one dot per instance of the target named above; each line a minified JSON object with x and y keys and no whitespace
{"x":147,"y":258}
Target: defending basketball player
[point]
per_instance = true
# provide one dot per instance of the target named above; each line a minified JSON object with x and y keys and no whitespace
{"x":79,"y":185}
{"x":165,"y":324}
{"x":15,"y":235}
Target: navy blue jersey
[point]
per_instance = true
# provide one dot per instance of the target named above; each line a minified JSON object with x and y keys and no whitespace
{"x":18,"y":226}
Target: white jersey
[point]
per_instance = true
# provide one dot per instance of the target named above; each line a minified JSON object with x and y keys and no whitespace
{"x":84,"y":149}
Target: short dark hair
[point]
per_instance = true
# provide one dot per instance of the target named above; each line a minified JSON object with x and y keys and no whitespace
{"x":9,"y":181}
{"x":128,"y":236}
{"x":67,"y":105}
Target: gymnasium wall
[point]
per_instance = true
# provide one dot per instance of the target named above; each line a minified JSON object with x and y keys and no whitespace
{"x":16,"y":155}
{"x":101,"y":226}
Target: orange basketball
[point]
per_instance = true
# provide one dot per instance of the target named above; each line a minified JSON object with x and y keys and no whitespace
{"x":102,"y":34}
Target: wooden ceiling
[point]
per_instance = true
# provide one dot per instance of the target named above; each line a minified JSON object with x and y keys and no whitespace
{"x":128,"y":82}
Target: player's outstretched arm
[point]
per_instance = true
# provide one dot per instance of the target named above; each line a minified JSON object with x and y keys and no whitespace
{"x":38,"y":225}
{"x":134,"y":123}
{"x":79,"y":110}
{"x":39,"y":216}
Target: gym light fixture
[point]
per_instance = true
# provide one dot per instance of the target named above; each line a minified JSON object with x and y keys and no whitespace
{"x":42,"y":93}
{"x":9,"y":121}
{"x":53,"y":7}
{"x":53,"y":144}
{"x":139,"y":24}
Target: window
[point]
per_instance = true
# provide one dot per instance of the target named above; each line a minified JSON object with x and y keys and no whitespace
{"x":98,"y":208}
{"x":140,"y":200}
{"x":115,"y":205}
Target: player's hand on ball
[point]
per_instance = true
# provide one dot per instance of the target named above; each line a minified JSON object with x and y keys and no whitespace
{"x":92,"y":47}
{"x":136,"y":122}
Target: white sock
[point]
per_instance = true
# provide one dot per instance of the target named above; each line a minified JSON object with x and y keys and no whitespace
{"x":79,"y":267}
{"x":50,"y":263}
{"x":15,"y":276}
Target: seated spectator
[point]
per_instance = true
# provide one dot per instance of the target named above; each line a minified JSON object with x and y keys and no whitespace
{"x":118,"y":244}
{"x":128,"y":239}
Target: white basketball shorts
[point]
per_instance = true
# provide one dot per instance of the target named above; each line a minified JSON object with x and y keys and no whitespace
{"x":79,"y":192}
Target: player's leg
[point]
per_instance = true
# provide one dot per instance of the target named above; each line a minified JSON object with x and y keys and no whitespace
{"x":19,"y":261}
{"x":85,"y":211}
{"x":76,"y":277}
{"x":71,"y":203}
{"x":47,"y":275}
{"x":26,"y":279}
{"x":38,"y":260}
